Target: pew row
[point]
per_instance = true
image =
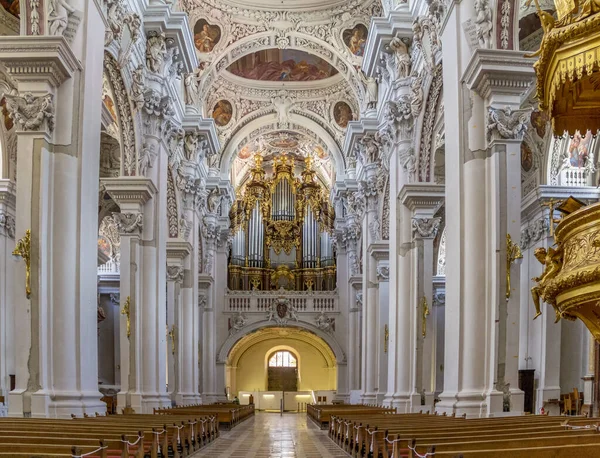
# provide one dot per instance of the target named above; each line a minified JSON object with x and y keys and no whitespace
{"x":321,"y":413}
{"x":123,"y":436}
{"x":228,"y":415}
{"x":419,"y":435}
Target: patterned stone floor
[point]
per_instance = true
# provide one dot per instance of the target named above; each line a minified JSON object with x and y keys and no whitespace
{"x":269,"y":435}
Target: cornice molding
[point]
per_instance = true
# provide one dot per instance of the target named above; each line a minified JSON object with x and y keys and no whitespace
{"x":178,"y":249}
{"x":531,"y":205}
{"x":497,"y":71}
{"x":426,"y":196}
{"x":175,"y":25}
{"x":379,"y":250}
{"x":381,"y":31}
{"x":130,"y":190}
{"x":8,"y":194}
{"x":31,"y":58}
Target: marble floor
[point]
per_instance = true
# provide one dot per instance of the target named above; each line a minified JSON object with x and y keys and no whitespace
{"x":269,"y":435}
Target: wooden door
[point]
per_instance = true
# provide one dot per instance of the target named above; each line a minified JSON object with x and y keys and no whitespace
{"x":282,"y":379}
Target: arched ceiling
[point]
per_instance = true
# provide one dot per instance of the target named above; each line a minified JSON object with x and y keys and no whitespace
{"x":292,"y":64}
{"x":285,"y":5}
{"x":280,"y":336}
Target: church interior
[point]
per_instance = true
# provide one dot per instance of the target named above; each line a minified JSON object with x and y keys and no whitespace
{"x":299,"y":228}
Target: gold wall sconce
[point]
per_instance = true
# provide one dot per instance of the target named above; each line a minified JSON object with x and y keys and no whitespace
{"x":173,"y":336}
{"x":513,"y":253}
{"x":23,"y":250}
{"x":425,"y":315}
{"x":126,"y":312}
{"x":386,"y":338}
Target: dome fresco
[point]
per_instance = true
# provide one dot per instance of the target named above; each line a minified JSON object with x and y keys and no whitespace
{"x":282,"y":65}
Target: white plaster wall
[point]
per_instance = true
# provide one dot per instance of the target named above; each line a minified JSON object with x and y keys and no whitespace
{"x":106,"y":343}
{"x":573,"y":355}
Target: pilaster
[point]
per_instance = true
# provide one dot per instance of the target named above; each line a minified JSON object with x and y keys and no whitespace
{"x":56,"y":194}
{"x":7,"y":290}
{"x":423,"y":200}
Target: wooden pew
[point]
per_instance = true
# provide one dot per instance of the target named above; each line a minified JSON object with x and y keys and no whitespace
{"x":387,"y":435}
{"x":125,"y":436}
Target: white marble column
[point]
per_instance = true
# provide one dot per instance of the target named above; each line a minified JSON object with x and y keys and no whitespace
{"x":482,"y":180}
{"x":57,"y":113}
{"x":423,"y":199}
{"x":7,"y":290}
{"x":215,"y":267}
{"x":132,"y":195}
{"x":383,"y":304}
{"x":177,"y":251}
{"x":345,"y":297}
{"x":370,"y":324}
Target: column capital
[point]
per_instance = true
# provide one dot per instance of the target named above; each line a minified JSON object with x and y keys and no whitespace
{"x":175,"y":273}
{"x":383,"y":271}
{"x":425,"y":228}
{"x":379,"y":250}
{"x":499,"y":75}
{"x":177,"y":250}
{"x":35,"y":59}
{"x":422,"y":197}
{"x":129,"y":223}
{"x":506,"y":124}
{"x":130,"y":193}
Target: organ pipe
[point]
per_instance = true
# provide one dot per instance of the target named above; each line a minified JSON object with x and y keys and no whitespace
{"x":287,"y":217}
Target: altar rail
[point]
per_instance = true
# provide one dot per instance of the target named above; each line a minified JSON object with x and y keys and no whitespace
{"x":260,"y":301}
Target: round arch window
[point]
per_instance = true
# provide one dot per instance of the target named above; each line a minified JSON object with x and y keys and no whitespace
{"x":283,"y":359}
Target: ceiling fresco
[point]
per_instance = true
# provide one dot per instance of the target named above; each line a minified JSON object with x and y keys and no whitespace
{"x":282,"y":65}
{"x":12,"y":6}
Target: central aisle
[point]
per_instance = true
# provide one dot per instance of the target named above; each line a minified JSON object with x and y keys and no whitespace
{"x":268,"y":435}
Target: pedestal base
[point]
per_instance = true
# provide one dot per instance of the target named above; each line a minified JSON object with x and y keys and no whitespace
{"x":368,"y":398}
{"x":495,"y":404}
{"x":142,"y":402}
{"x":517,"y":401}
{"x":187,"y":399}
{"x":61,"y":404}
{"x":402,"y":402}
{"x":473,"y":405}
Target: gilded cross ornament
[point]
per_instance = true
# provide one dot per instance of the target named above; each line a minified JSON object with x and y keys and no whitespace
{"x":386,"y":338}
{"x":552,"y":204}
{"x":126,"y":312}
{"x":513,"y":252}
{"x":23,"y":250}
{"x":172,"y":333}
{"x":425,"y":309}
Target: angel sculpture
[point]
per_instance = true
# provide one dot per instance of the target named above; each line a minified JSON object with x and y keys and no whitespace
{"x":402,"y":58}
{"x":371,"y":92}
{"x":29,"y":111}
{"x":552,"y":260}
{"x":58,"y":16}
{"x":506,"y":123}
{"x":147,"y":157}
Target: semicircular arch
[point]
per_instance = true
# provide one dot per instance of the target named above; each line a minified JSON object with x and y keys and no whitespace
{"x":296,"y":41}
{"x":268,"y":123}
{"x":329,"y":346}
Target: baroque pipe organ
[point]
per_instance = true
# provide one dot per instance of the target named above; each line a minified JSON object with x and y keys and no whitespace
{"x":282,"y":228}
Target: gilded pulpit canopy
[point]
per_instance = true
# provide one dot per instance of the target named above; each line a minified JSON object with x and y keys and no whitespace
{"x":568,"y":65}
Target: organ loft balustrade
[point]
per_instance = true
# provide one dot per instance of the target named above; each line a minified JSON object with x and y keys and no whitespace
{"x":264,"y":301}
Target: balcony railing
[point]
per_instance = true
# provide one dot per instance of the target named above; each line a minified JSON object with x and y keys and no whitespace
{"x":301,"y":301}
{"x":111,"y":267}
